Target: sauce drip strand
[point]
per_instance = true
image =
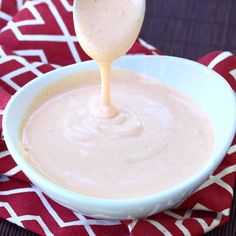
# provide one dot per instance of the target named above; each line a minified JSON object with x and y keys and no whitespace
{"x":106,"y":30}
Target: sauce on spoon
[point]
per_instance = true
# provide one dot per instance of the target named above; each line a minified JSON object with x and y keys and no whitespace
{"x":159,"y":138}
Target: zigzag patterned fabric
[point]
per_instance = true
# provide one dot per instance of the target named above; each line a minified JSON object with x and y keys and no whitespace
{"x":38,"y":36}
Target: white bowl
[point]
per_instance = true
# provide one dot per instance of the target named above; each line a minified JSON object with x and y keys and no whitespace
{"x":205,"y":87}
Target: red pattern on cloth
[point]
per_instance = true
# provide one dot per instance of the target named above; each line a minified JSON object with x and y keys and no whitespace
{"x":39,"y":38}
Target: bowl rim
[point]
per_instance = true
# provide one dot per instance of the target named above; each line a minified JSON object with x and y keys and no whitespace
{"x":65,"y":193}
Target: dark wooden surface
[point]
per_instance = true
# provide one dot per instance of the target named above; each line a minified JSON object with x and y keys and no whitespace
{"x":191,"y":28}
{"x":184,"y":28}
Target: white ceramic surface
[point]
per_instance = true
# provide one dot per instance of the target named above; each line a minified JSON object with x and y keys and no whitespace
{"x":204,"y":86}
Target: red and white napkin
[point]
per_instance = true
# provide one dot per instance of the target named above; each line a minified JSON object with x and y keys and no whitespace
{"x":38,"y":36}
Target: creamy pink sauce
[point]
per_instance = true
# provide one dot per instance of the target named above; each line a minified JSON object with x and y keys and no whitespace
{"x":159,"y":138}
{"x":148,"y":139}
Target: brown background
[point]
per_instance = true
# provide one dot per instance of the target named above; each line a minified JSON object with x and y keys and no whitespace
{"x":184,"y":28}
